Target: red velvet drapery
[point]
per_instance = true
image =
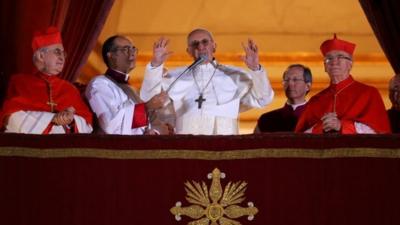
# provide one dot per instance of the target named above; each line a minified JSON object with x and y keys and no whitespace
{"x":384,"y":18}
{"x":18,"y":20}
{"x":81,"y":28}
{"x":125,"y":180}
{"x":80,"y":22}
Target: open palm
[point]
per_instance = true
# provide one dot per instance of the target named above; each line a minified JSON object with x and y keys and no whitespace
{"x":160,"y":52}
{"x":251,"y":55}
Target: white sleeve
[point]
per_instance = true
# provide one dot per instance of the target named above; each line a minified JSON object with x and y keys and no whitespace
{"x":152,"y":82}
{"x":363,"y":128}
{"x":112,"y":108}
{"x":28,"y":122}
{"x":260,"y":93}
{"x":82,"y":125}
{"x":309,"y":130}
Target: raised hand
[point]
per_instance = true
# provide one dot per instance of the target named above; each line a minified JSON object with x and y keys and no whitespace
{"x":251,"y":55}
{"x":160,"y":52}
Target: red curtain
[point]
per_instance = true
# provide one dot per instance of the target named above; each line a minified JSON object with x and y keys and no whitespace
{"x":384,"y":19}
{"x":81,"y":28}
{"x":80,"y":22}
{"x":18,"y":20}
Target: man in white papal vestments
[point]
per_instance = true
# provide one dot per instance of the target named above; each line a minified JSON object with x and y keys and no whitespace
{"x":206,"y":97}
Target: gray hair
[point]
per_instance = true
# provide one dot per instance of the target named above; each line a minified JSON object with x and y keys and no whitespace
{"x":200,"y":30}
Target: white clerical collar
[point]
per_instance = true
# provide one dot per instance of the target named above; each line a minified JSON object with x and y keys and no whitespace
{"x":122,"y":73}
{"x":294,"y":106}
{"x":117,"y":76}
{"x":209,"y":66}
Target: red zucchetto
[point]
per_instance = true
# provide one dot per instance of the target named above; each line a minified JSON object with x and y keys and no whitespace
{"x":337,"y":44}
{"x":49,"y":37}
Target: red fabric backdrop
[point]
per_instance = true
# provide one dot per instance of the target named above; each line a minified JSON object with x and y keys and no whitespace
{"x":83,"y":24}
{"x":80,"y":21}
{"x":384,"y":19}
{"x":90,"y":191}
{"x":18,"y":20}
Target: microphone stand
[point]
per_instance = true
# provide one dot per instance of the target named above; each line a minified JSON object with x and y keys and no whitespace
{"x":198,"y":61}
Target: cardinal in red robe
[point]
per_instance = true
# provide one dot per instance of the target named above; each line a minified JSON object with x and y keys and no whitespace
{"x":346,"y":106}
{"x":41,"y":102}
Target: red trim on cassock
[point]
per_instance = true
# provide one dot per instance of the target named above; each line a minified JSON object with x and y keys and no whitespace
{"x":74,"y":127}
{"x":139,"y":116}
{"x":48,"y":128}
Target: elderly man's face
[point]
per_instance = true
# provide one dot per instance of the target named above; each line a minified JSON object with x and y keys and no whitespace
{"x":53,"y":59}
{"x":338,"y":65}
{"x":200,"y":43}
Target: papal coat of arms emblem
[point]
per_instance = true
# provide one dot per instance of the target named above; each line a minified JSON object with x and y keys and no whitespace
{"x":214,"y":206}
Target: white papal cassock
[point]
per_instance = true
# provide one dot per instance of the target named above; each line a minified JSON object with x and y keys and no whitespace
{"x":228,"y":90}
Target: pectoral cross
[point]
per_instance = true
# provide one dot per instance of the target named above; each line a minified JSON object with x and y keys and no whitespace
{"x":51,"y":104}
{"x":200,"y":100}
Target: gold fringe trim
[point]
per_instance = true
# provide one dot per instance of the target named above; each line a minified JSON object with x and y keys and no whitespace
{"x":199,"y":154}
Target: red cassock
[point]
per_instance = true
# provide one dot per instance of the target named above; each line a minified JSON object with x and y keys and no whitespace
{"x":30,"y":92}
{"x":352,"y":101}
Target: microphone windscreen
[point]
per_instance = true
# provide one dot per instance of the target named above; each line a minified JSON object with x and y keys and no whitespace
{"x":203,"y":57}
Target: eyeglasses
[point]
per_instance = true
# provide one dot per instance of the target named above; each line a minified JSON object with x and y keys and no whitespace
{"x":126,"y":49}
{"x":196,"y":43}
{"x":57,"y":52}
{"x":330,"y":59}
{"x":294,"y":80}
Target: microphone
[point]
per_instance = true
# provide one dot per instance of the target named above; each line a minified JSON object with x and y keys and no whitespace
{"x":202,"y":58}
